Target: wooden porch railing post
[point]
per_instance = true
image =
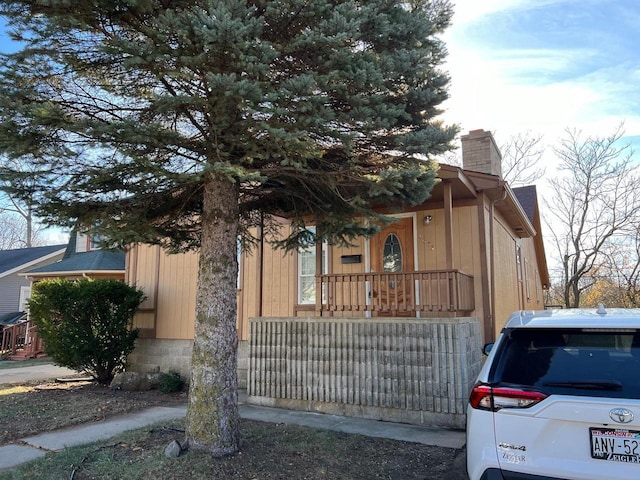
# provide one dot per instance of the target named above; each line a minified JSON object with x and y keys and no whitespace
{"x":446,"y":291}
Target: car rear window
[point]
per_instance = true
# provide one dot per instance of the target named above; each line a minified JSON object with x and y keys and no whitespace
{"x":592,"y":362}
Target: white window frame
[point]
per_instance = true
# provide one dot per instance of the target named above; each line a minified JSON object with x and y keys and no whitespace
{"x":25,"y":295}
{"x":310,"y":250}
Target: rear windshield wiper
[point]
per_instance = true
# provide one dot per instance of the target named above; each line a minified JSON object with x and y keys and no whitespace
{"x":587,"y":385}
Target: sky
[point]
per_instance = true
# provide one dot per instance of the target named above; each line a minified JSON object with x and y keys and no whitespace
{"x":544,"y":66}
{"x":540,"y":66}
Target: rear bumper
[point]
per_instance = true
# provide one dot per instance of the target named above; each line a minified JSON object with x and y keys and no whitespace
{"x":497,"y":474}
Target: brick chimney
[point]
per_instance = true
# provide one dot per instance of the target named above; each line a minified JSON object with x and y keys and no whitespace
{"x":480,"y":153}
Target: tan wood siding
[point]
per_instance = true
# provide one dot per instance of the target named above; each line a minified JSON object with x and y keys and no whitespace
{"x":280,"y":287}
{"x":506,"y":284}
{"x":535,"y":301}
{"x":169,"y":281}
{"x":176,"y":295}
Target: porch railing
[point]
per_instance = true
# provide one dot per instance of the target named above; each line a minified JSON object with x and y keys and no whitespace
{"x":21,"y":339}
{"x":442,"y":292}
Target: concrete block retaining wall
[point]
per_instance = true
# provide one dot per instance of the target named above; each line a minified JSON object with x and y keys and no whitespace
{"x":162,"y":355}
{"x":410,"y":370}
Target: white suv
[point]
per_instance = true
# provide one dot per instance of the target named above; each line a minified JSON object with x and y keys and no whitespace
{"x":559,"y":398}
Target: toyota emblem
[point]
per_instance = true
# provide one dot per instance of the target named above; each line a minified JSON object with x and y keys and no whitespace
{"x":621,"y":415}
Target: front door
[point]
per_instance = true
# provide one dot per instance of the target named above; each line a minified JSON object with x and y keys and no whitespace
{"x":393,"y":294}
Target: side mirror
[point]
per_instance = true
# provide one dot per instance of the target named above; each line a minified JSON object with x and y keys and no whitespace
{"x":487,"y":348}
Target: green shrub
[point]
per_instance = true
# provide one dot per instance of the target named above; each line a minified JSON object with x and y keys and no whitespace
{"x":171,"y":382}
{"x":86,"y":324}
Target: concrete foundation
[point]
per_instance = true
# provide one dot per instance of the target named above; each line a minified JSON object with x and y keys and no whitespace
{"x":166,"y":355}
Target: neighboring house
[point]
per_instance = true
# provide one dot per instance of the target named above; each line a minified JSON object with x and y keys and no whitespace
{"x":14,"y":287}
{"x":82,"y":259}
{"x":397,"y":329}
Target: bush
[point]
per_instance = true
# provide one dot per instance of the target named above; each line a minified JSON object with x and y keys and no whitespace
{"x":171,"y":382}
{"x":86,"y":325}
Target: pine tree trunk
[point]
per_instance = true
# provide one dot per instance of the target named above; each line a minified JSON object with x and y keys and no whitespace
{"x":212,"y":422}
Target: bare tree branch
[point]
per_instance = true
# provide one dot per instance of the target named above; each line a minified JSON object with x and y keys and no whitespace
{"x":521,"y":159}
{"x":595,"y":199}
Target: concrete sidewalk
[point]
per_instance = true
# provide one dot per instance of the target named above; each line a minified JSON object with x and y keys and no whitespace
{"x":37,"y":446}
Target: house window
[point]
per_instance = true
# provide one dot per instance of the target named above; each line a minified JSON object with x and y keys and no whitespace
{"x":307,"y":272}
{"x":95,"y":241}
{"x":25,"y":294}
{"x":526,"y":279}
{"x":392,"y":254}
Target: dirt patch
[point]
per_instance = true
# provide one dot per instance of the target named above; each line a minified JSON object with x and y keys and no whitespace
{"x":33,"y":408}
{"x":276,"y":451}
{"x":269,"y":451}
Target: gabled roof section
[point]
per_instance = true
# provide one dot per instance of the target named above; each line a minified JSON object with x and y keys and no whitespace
{"x":528,"y":198}
{"x":96,"y":261}
{"x":16,"y":260}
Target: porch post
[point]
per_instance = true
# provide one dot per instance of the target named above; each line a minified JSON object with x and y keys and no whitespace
{"x":485,"y":252}
{"x":319,"y":273}
{"x":448,"y":235}
{"x":448,"y":224}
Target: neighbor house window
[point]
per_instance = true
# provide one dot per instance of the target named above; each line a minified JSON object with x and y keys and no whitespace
{"x":307,"y":272}
{"x":95,"y":241}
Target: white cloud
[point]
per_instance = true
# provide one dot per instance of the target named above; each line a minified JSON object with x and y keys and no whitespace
{"x":543,"y":90}
{"x":468,"y":11}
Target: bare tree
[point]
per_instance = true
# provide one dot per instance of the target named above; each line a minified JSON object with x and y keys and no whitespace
{"x":521,"y":159}
{"x":19,"y":205}
{"x":595,"y":198}
{"x":622,"y":266}
{"x":13,"y":232}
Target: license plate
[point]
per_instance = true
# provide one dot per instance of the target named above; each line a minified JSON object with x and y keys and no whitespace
{"x":615,"y":444}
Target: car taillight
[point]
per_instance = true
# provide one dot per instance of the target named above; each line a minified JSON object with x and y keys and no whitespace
{"x":485,"y":397}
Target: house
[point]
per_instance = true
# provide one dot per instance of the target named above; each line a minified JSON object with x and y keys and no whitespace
{"x":83,"y":258}
{"x":80,"y":258}
{"x":14,"y":287}
{"x":388,"y":328}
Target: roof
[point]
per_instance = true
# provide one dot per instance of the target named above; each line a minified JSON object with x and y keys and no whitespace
{"x":15,"y":260}
{"x":528,"y":198}
{"x":86,"y":262}
{"x":577,"y":318}
{"x":466,"y":185}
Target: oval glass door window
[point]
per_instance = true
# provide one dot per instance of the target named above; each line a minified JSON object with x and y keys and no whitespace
{"x":392,"y":254}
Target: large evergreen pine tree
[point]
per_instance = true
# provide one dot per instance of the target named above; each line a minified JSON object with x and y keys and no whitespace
{"x":184,"y":122}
